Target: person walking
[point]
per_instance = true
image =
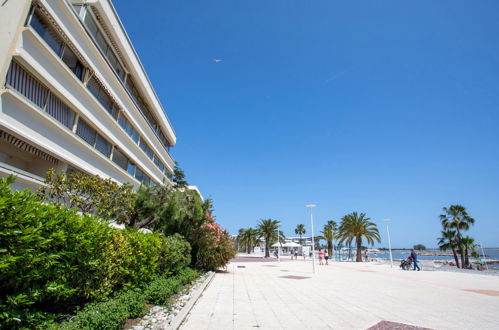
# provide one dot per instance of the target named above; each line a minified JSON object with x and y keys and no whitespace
{"x":321,"y":255}
{"x":414,"y":257}
{"x":326,"y":256}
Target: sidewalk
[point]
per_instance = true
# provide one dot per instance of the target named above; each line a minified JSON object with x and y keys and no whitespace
{"x":287,"y":295}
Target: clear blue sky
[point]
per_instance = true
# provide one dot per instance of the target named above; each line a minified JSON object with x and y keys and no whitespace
{"x":384,"y":107}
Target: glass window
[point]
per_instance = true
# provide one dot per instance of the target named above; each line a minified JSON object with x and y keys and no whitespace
{"x":93,"y":87}
{"x":139,"y":175}
{"x":86,"y":132}
{"x":72,"y":62}
{"x":91,"y":25}
{"x":45,"y":31}
{"x":122,"y":121}
{"x":120,"y":159}
{"x":131,"y":169}
{"x":99,"y":38}
{"x":135,"y":136}
{"x":103,"y":146}
{"x":146,"y":149}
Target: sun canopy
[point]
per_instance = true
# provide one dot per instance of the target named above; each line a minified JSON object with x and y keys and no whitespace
{"x":288,"y":244}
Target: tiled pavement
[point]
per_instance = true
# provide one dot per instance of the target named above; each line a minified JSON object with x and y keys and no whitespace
{"x":344,"y":296}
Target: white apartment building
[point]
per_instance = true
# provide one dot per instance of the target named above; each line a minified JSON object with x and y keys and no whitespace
{"x":74,"y":96}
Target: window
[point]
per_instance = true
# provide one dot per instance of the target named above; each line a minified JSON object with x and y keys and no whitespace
{"x":40,"y":25}
{"x":91,"y":25}
{"x":125,"y":124}
{"x":19,"y":79}
{"x":100,"y":94}
{"x":103,"y":146}
{"x":72,"y":62}
{"x":131,"y":169}
{"x":86,"y":132}
{"x":139,"y":175}
{"x":120,"y":159}
{"x":146,"y":149}
{"x":60,"y":111}
{"x":102,"y":43}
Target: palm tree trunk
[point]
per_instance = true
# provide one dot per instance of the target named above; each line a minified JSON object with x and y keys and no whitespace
{"x":460,"y":245}
{"x":330,"y":249}
{"x":466,"y":259}
{"x":455,"y":257}
{"x":359,"y":249}
{"x":267,"y":247}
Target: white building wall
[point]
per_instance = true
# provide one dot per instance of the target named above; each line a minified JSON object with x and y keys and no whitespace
{"x":18,"y":116}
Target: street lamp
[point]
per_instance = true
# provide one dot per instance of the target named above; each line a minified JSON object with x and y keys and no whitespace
{"x":389,"y":241}
{"x":278,"y":243}
{"x":310,"y":206}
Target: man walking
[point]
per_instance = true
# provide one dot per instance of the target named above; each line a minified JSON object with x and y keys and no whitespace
{"x":414,"y":257}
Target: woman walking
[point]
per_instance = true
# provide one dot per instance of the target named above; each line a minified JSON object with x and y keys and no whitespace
{"x":321,"y":255}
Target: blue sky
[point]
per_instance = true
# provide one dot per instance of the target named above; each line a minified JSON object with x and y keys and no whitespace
{"x":383,"y":107}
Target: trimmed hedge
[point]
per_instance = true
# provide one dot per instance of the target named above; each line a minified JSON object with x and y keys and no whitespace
{"x":113,"y":313}
{"x":53,"y":259}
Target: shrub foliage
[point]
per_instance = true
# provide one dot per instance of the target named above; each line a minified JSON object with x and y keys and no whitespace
{"x":53,"y":259}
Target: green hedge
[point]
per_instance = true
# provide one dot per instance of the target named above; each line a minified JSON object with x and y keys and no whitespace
{"x":113,"y":313}
{"x":53,"y":259}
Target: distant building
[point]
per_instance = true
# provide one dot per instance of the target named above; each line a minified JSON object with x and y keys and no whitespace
{"x":75,"y":97}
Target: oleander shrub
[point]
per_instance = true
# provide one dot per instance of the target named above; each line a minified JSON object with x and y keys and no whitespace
{"x":53,"y":259}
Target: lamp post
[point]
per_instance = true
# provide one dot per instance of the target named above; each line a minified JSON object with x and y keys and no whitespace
{"x":310,"y":206}
{"x":278,"y":243}
{"x":389,"y":241}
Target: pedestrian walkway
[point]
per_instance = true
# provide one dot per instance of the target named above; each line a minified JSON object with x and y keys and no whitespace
{"x":287,"y":295}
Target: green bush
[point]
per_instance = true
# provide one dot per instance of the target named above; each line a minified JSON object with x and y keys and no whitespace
{"x":113,"y":313}
{"x":53,"y":259}
{"x":160,"y":290}
{"x":110,"y":314}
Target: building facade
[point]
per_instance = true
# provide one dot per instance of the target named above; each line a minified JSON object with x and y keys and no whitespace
{"x":75,"y":97}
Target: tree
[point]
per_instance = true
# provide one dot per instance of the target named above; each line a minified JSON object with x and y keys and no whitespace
{"x":248,"y":238}
{"x":355,"y":226}
{"x":328,"y":233}
{"x":89,"y":194}
{"x":448,"y":242}
{"x":178,"y":177}
{"x":469,"y":248}
{"x":267,"y":229}
{"x":419,"y":247}
{"x":456,"y":217}
{"x":300,"y":230}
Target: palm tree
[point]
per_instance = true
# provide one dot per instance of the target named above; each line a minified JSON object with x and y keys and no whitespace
{"x":248,"y":238}
{"x":456,"y":217}
{"x":469,"y":247}
{"x":448,"y":242}
{"x":267,"y":229}
{"x":241,"y":239}
{"x":355,"y":226}
{"x":300,"y":230}
{"x":328,"y":233}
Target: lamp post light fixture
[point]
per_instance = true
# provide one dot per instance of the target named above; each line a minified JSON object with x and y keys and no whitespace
{"x":278,"y":244}
{"x":310,"y":206}
{"x":389,"y":241}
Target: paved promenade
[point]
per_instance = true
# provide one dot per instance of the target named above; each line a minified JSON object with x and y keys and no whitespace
{"x":287,"y":295}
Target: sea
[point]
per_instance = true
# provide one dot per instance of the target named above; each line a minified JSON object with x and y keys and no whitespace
{"x":403,"y":254}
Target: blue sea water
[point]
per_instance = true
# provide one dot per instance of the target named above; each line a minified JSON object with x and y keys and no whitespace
{"x":403,"y":254}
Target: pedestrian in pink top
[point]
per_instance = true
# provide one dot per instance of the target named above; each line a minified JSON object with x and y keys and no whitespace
{"x":321,"y":255}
